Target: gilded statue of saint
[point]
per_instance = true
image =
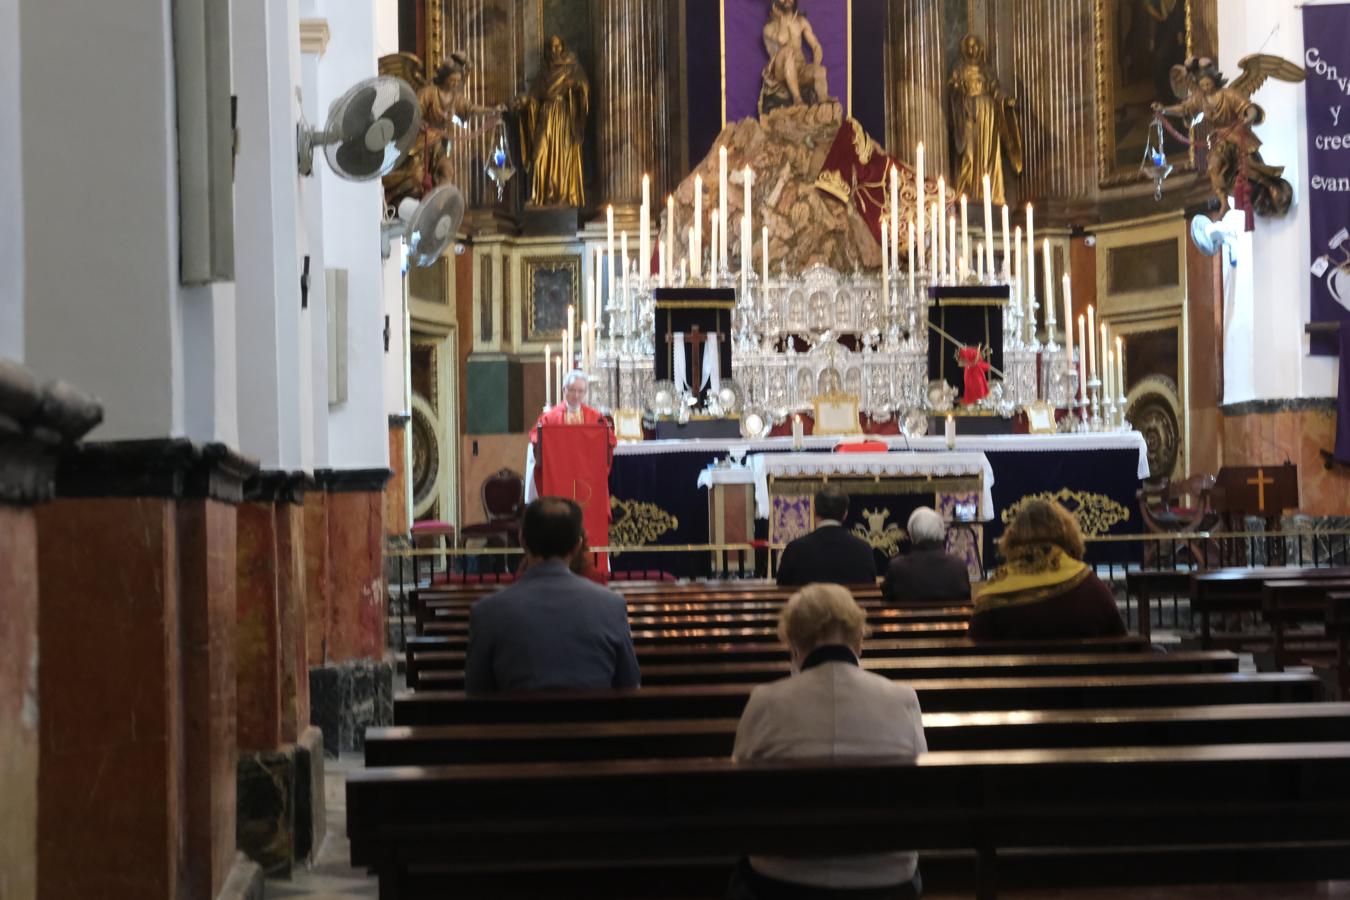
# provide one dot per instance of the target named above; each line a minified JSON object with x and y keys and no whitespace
{"x":788,"y":78}
{"x":983,"y":123}
{"x":1235,"y":163}
{"x":447,"y":115}
{"x":550,"y":126}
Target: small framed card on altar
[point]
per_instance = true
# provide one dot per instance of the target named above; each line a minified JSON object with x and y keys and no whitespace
{"x":628,"y":424}
{"x":1040,"y":418}
{"x":836,"y":414}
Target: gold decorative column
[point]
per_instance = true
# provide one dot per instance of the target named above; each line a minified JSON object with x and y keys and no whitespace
{"x":1055,"y":87}
{"x":490,"y":33}
{"x":916,"y":83}
{"x":630,"y":101}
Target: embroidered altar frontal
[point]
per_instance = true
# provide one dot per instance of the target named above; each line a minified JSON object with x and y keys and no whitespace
{"x":656,"y":499}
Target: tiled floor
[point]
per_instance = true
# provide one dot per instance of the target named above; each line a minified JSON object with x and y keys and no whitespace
{"x":332,"y":877}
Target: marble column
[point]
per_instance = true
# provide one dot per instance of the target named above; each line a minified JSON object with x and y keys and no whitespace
{"x":916,"y":81}
{"x":29,"y":445}
{"x":137,"y":691}
{"x":631,"y":106}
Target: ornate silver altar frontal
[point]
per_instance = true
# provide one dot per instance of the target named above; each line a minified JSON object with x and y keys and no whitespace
{"x":825,"y":333}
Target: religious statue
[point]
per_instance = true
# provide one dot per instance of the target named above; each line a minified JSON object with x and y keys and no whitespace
{"x":551,"y":125}
{"x":447,"y":114}
{"x":974,"y":360}
{"x":788,"y":79}
{"x":1235,"y":164}
{"x":984,"y":127}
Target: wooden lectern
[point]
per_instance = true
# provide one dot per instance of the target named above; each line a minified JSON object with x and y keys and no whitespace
{"x":1265,"y":491}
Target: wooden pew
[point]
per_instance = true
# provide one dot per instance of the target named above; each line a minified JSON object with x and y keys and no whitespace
{"x":1239,"y":591}
{"x":1144,"y":585}
{"x":458,"y":633}
{"x":742,"y":617}
{"x":935,"y":695}
{"x":434,"y":652}
{"x":1121,"y":815}
{"x":1292,"y":602}
{"x":1338,"y":626}
{"x":1019,"y":665}
{"x":1017,"y":729}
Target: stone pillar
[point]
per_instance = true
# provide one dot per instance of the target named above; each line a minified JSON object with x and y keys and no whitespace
{"x":915,"y":110}
{"x":630,"y":103}
{"x":137,"y":692}
{"x":36,"y":423}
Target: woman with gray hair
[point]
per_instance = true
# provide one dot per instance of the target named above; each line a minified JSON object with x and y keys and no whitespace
{"x":829,"y":708}
{"x":928,"y":573}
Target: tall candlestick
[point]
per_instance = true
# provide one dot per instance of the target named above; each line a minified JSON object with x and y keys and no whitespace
{"x":748,"y":211}
{"x":714,"y":245}
{"x":1120,"y":369}
{"x":1092,"y":343}
{"x":911,"y":257}
{"x":936,"y":227}
{"x":1048,"y":301}
{"x":696,"y":245}
{"x":1068,"y":316}
{"x":670,"y":234}
{"x":979,"y":261}
{"x":720,"y":246}
{"x":1031,"y":256}
{"x":1082,"y":361}
{"x":988,"y":227}
{"x":895,"y":215}
{"x":964,"y":268}
{"x":952,"y":248}
{"x":1016,"y":287}
{"x":942,"y":218}
{"x":1106,"y":349}
{"x":1108,"y":376}
{"x":1007,"y":263}
{"x":885,"y":267}
{"x":548,"y":377}
{"x":747,"y":255}
{"x":644,"y":229}
{"x":919,"y":212}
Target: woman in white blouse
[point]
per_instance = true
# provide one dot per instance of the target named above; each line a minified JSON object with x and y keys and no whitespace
{"x":828,"y":708}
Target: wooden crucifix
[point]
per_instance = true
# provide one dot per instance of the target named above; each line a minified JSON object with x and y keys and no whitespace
{"x":695,"y":337}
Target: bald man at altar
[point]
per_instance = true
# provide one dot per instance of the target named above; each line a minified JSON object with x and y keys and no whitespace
{"x":571,"y":411}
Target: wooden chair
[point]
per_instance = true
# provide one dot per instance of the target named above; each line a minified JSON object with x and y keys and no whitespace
{"x":503,"y":496}
{"x":1161,"y":505}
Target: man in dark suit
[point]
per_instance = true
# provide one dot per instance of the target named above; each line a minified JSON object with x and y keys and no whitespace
{"x":551,"y":630}
{"x":928,"y":573}
{"x":829,"y":553}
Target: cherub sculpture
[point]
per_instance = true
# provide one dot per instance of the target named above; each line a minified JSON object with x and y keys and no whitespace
{"x":1235,"y":164}
{"x":447,"y":114}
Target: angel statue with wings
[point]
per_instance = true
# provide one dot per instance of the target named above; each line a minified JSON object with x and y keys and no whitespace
{"x":447,"y":114}
{"x":1235,"y":163}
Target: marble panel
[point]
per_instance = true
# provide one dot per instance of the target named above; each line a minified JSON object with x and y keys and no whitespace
{"x":1298,"y":433}
{"x":111,"y":805}
{"x":348,"y":698}
{"x":265,"y":829}
{"x":317,"y":579}
{"x":258,"y":638}
{"x":18,"y":703}
{"x":207,"y":572}
{"x":356,"y":566}
{"x":396,"y":492}
{"x":291,"y":589}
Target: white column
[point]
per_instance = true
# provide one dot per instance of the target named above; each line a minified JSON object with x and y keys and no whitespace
{"x":358,"y":432}
{"x":269,"y":231}
{"x":100,"y":244}
{"x":1265,"y":348}
{"x":316,"y":336}
{"x":11,"y":187}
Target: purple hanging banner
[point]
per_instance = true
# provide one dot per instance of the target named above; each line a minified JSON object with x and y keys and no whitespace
{"x":1326,"y":56}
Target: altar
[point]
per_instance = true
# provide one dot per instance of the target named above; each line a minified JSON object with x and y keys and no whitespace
{"x":657,"y":498}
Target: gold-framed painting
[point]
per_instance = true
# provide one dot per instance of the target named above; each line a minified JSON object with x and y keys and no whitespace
{"x":1137,"y":42}
{"x":835,"y":415}
{"x":552,"y":283}
{"x":628,"y":424}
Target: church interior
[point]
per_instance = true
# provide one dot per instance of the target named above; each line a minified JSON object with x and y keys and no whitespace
{"x":364,"y":279}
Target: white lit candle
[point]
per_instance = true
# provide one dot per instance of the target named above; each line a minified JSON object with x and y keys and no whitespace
{"x":952,"y":248}
{"x":1082,"y":358}
{"x":747,"y":255}
{"x":895,"y":216}
{"x":623,"y":251}
{"x":548,"y":376}
{"x":1120,"y":368}
{"x":988,"y":227}
{"x":670,"y":234}
{"x":979,"y":261}
{"x":644,"y":229}
{"x":949,"y":430}
{"x":1067,"y":286}
{"x":963,"y":269}
{"x":714,"y":244}
{"x":1106,"y":362}
{"x":696,"y":245}
{"x":720,"y":247}
{"x":1031,"y":258}
{"x":1006,"y":262}
{"x":1109,"y":375}
{"x":609,"y":230}
{"x":942,"y":218}
{"x":1048,"y":301}
{"x":1092,"y":343}
{"x":885,"y":267}
{"x":558,"y":375}
{"x":911,"y":257}
{"x":936,"y":262}
{"x":764,"y":254}
{"x":919,"y":213}
{"x":797,"y":432}
{"x":1017,"y":267}
{"x":748,"y":202}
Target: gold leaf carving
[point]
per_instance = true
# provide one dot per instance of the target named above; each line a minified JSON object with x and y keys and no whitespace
{"x":833,"y":183}
{"x":634,"y":523}
{"x":1096,"y":513}
{"x":878,"y":534}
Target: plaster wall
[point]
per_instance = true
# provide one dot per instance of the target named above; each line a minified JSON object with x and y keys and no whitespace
{"x":386,"y":27}
{"x":396,"y":395}
{"x":1266,"y":357}
{"x":357,"y":432}
{"x":317,"y":315}
{"x":11,"y":186}
{"x":270,"y":238}
{"x":100,"y":200}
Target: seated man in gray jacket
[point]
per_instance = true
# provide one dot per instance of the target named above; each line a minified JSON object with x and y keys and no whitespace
{"x":551,"y":630}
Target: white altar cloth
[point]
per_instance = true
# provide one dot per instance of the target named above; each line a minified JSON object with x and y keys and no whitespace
{"x":863,"y":465}
{"x":1008,"y":443}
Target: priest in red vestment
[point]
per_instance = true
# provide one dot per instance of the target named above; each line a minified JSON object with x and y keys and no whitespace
{"x":571,"y":411}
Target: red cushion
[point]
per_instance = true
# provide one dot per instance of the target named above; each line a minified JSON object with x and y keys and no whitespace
{"x":861,"y":447}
